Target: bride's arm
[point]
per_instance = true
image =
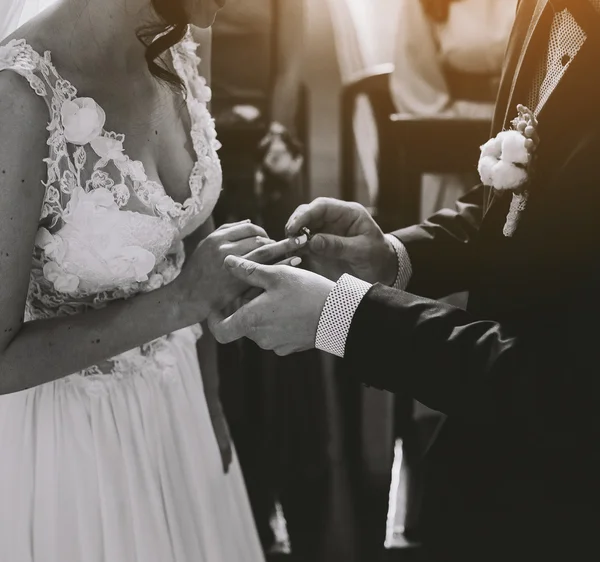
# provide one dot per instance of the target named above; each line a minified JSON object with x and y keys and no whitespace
{"x":33,"y":353}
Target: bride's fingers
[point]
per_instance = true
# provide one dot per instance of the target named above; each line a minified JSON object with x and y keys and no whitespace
{"x":272,"y":253}
{"x":247,"y":245}
{"x":230,"y":224}
{"x":293,"y":261}
{"x":242,"y":231}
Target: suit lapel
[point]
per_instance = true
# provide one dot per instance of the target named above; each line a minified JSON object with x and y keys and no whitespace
{"x":586,"y":15}
{"x":528,"y":11}
{"x":588,"y":18}
{"x":518,"y":54}
{"x":527,"y":56}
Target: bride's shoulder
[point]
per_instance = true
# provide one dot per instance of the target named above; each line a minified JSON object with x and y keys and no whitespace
{"x":19,"y":102}
{"x":23,"y":119}
{"x":20,"y":56}
{"x":18,"y":99}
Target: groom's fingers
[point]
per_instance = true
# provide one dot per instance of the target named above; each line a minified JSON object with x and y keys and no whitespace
{"x":250,"y":272}
{"x":214,"y":319}
{"x":254,"y":292}
{"x":319,"y":214}
{"x":312,"y":216}
{"x":332,"y":246}
{"x":247,"y":245}
{"x":234,"y":327}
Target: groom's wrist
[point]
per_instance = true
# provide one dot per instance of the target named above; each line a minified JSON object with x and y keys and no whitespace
{"x":337,"y":314}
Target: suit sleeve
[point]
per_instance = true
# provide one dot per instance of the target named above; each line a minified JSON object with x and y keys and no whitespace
{"x":536,"y":374}
{"x":441,"y":250}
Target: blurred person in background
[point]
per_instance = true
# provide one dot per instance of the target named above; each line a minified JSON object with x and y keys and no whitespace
{"x":448,"y":61}
{"x":257,"y":82}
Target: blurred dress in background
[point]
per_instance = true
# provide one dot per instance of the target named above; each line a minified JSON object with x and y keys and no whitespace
{"x":448,"y":60}
{"x":276,"y":407}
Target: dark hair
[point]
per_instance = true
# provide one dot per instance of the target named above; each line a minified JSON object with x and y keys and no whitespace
{"x":159,"y":37}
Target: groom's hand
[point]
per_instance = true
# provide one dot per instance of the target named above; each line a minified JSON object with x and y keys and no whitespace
{"x":346,"y":239}
{"x":284,"y":317}
{"x":267,"y":252}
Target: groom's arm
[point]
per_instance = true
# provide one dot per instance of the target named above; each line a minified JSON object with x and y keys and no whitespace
{"x":436,"y":256}
{"x":522,"y":373}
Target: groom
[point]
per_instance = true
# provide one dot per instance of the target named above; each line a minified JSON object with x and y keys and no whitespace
{"x":514,"y":473}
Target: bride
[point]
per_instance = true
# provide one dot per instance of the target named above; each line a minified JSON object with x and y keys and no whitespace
{"x":109,"y":264}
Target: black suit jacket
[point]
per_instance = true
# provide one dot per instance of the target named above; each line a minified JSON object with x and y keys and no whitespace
{"x":518,"y":372}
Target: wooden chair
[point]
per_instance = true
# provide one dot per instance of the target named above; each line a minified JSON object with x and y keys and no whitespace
{"x":409,"y":147}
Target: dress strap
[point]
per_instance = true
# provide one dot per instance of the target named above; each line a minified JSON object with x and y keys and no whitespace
{"x":20,"y":57}
{"x":17,"y":55}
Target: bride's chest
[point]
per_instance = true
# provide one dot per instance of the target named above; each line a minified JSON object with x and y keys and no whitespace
{"x":124,"y":199}
{"x":157,"y":131}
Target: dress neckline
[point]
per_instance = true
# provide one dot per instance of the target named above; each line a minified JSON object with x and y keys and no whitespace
{"x":195,"y":105}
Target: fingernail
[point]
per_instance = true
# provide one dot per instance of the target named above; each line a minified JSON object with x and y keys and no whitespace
{"x":301,"y":240}
{"x":295,"y":261}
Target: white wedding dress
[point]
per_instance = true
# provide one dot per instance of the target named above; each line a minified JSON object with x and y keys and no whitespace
{"x":117,"y":463}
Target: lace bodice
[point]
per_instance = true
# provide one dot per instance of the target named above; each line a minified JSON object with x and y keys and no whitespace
{"x":106,"y":230}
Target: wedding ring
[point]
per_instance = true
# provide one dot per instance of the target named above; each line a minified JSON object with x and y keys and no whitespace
{"x":304,"y":237}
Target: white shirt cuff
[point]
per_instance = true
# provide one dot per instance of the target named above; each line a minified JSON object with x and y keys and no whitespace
{"x":404,"y":266}
{"x":337,"y":314}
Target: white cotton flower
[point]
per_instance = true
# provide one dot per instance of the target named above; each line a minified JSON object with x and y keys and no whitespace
{"x":513,"y":147}
{"x":503,"y":161}
{"x":508,"y":177}
{"x":486,"y":169}
{"x":492,"y":148}
{"x":82,"y":119}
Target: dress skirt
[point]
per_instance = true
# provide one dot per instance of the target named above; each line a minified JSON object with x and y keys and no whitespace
{"x":120,"y":469}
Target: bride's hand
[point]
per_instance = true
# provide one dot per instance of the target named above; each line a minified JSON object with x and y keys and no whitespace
{"x":205,"y":284}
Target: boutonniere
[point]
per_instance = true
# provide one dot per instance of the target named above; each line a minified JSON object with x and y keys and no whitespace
{"x":506,"y":163}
